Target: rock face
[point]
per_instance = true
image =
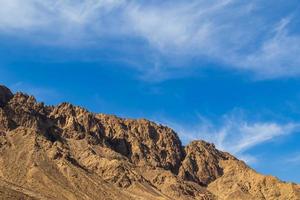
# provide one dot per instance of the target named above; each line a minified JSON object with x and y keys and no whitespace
{"x":5,"y":95}
{"x":202,"y":163}
{"x":66,"y":152}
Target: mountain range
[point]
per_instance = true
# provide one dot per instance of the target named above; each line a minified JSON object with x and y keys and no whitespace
{"x":65,"y":152}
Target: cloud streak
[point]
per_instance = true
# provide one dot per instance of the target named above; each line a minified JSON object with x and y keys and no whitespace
{"x":295,"y":159}
{"x":235,"y":134}
{"x":233,"y":34}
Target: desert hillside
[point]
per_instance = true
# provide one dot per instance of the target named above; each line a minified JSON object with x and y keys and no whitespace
{"x":66,"y":152}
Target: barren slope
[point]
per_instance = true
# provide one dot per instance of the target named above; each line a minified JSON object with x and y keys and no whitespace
{"x":66,"y":152}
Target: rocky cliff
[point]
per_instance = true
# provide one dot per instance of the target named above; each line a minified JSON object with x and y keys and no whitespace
{"x":66,"y":152}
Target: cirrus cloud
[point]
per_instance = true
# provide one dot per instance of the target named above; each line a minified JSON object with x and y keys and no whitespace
{"x":233,"y":34}
{"x":234,"y":134}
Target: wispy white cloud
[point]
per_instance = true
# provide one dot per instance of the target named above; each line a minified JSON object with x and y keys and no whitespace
{"x":293,"y":159}
{"x":236,"y":35}
{"x":58,"y":22}
{"x":276,"y":56}
{"x":234,"y":133}
{"x":17,"y":14}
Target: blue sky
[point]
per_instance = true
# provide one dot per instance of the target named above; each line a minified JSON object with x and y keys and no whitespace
{"x":222,"y":70}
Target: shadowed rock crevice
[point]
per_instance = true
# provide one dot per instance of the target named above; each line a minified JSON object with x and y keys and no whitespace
{"x":5,"y":95}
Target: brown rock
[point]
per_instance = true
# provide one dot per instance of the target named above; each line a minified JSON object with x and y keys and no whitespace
{"x":202,"y":163}
{"x":240,"y":182}
{"x":5,"y":95}
{"x":143,"y":142}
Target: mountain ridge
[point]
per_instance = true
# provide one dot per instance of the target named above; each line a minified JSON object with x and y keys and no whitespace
{"x":67,"y":152}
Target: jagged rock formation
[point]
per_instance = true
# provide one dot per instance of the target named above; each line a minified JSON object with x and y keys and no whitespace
{"x":202,"y":163}
{"x":66,"y":152}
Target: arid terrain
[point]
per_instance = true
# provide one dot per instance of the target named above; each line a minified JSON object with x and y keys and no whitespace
{"x":65,"y":152}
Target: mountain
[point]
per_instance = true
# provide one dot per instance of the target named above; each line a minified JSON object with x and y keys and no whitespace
{"x":65,"y":152}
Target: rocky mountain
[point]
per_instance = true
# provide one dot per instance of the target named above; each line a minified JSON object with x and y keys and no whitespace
{"x":65,"y":152}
